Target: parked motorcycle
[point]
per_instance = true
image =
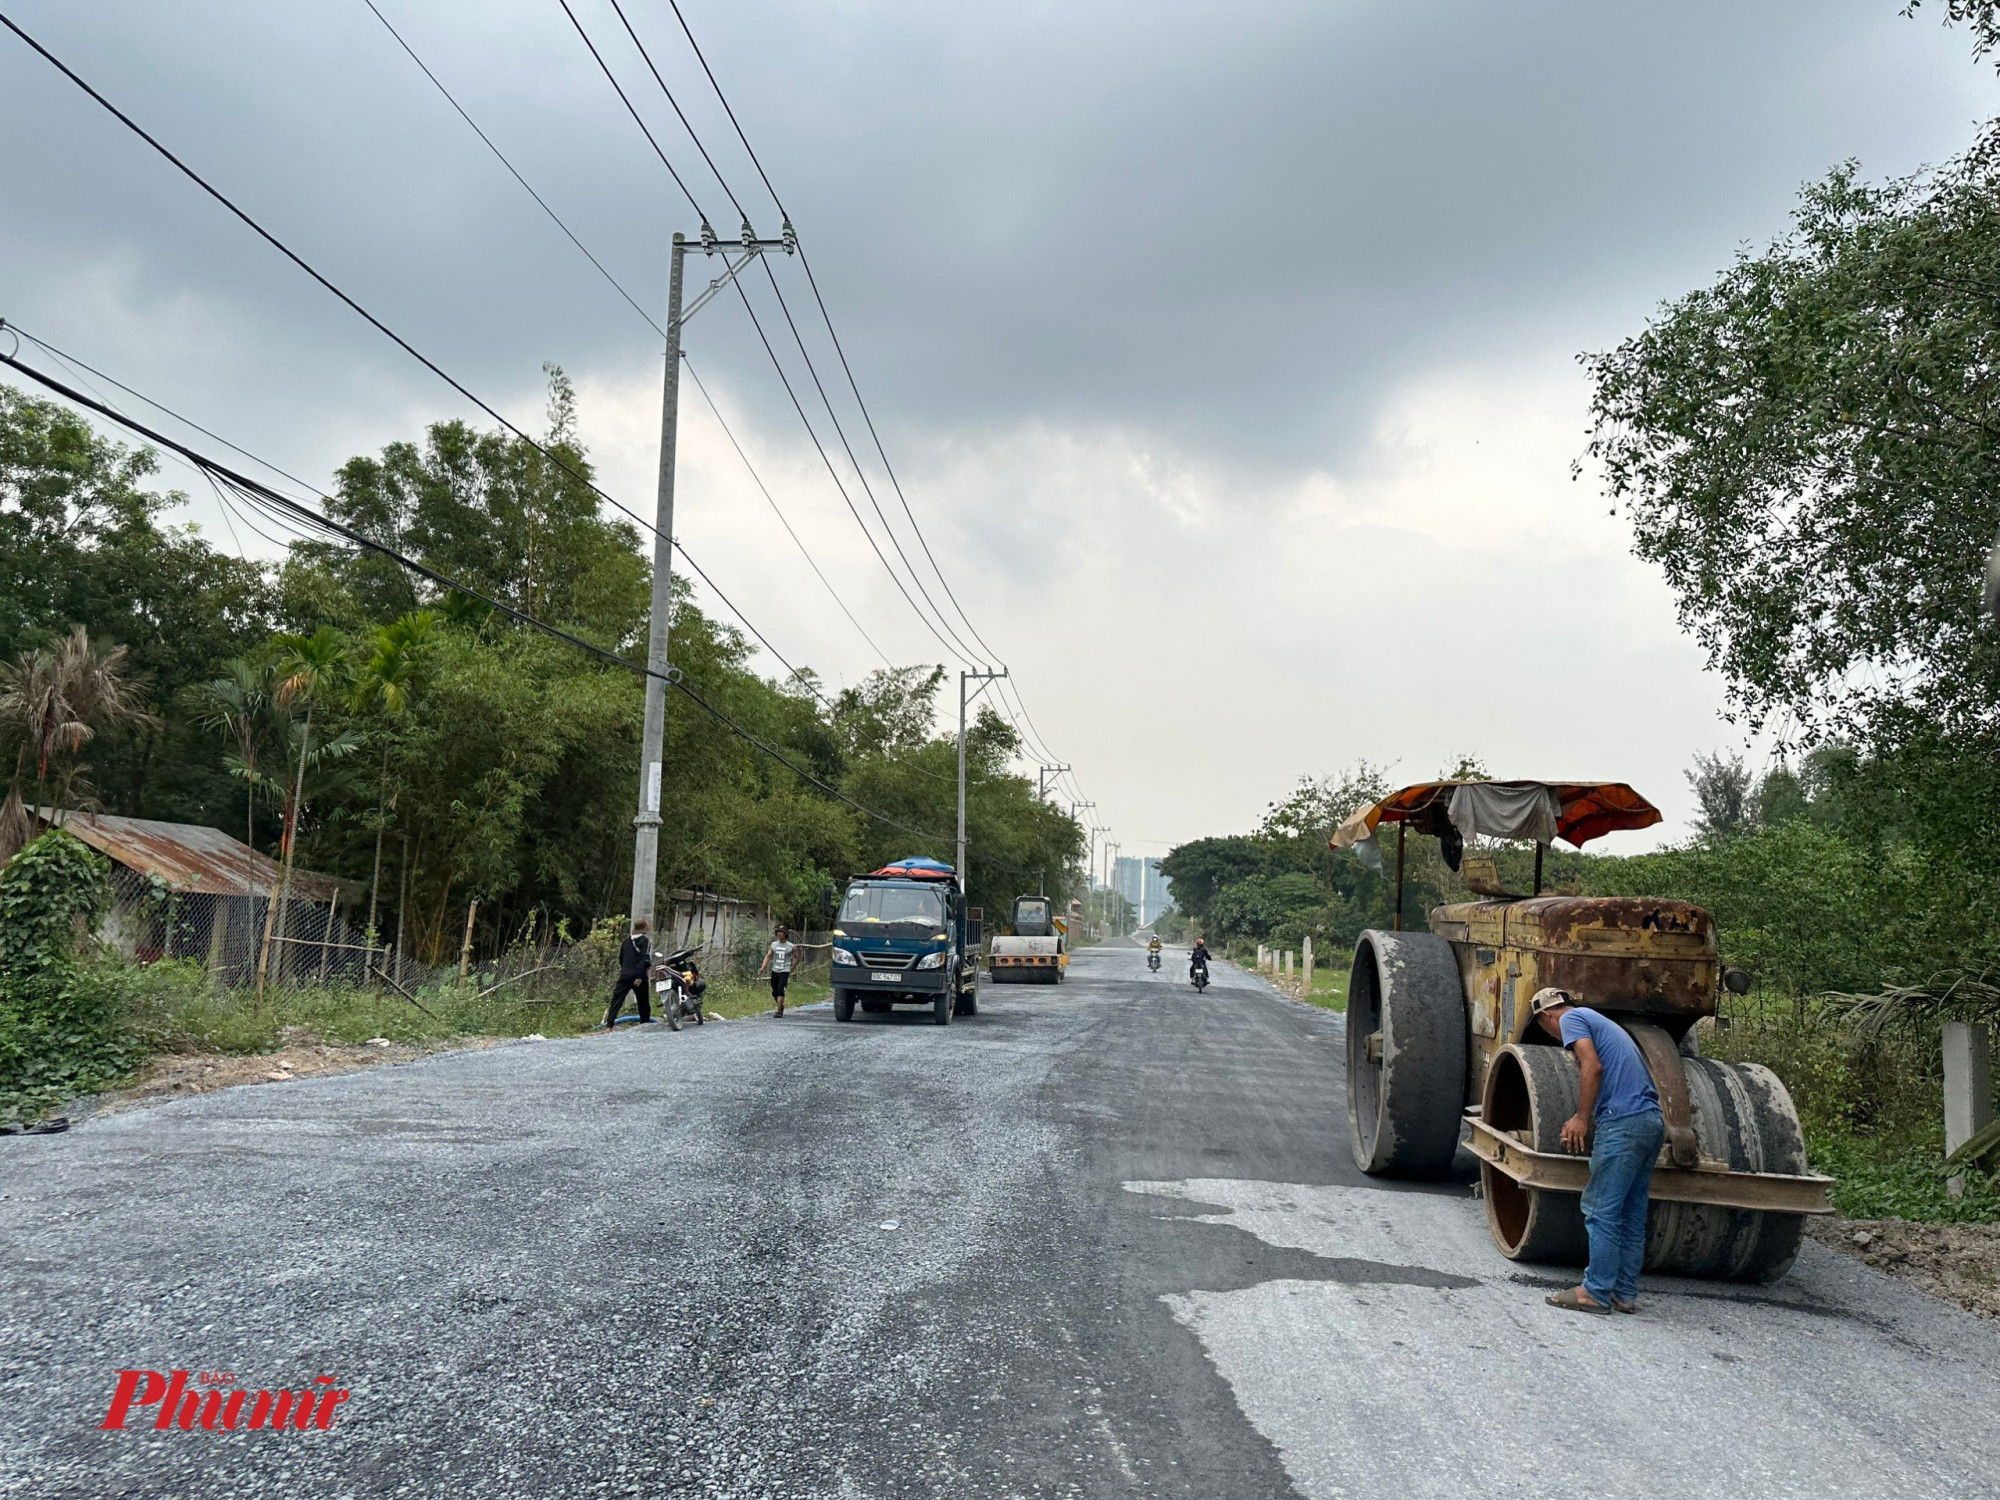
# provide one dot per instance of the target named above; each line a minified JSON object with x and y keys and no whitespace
{"x":678,"y":983}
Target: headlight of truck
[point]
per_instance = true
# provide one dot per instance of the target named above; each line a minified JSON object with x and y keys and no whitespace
{"x":931,"y":961}
{"x":843,"y":956}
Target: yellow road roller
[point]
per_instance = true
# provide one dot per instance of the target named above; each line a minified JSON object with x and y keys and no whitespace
{"x":1439,"y":1039}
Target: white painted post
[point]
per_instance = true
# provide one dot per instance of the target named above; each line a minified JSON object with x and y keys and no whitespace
{"x":1288,"y":963}
{"x":1968,"y":1088}
{"x":1307,"y":964}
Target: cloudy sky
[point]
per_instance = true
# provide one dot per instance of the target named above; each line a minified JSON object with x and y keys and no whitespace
{"x":1226,"y":352}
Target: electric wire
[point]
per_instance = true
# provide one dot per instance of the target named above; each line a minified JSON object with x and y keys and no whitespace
{"x":297,"y":514}
{"x":612,"y":79}
{"x":582,"y":248}
{"x":555,"y":218}
{"x":834,"y":474}
{"x":959,"y":649}
{"x":805,"y":263}
{"x":1030,"y":734}
{"x":686,"y":124}
{"x":965,"y":651}
{"x":757,"y":480}
{"x":298,"y":260}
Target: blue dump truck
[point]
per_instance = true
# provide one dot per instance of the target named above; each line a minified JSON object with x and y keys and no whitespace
{"x":906,"y":937}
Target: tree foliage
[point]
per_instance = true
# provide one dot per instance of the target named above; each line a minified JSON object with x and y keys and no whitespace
{"x":467,"y":758}
{"x":1809,"y":450}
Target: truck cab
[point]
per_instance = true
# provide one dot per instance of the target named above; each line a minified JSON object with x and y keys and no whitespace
{"x":905,"y":936}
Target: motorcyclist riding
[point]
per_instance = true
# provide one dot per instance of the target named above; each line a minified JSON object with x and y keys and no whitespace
{"x":1198,"y":959}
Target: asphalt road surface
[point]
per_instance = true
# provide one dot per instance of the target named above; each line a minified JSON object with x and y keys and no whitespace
{"x":1098,"y":1240}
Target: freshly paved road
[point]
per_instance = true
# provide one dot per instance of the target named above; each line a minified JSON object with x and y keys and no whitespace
{"x":1102,"y":1240}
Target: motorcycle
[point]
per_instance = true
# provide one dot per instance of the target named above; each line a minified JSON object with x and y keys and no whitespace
{"x":1153,"y":962}
{"x":1198,"y":977}
{"x":680,"y":987}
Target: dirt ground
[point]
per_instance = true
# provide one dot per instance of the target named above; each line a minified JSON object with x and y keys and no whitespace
{"x":1959,"y":1262}
{"x":302,"y":1056}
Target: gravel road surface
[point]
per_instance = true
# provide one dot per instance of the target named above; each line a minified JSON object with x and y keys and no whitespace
{"x":1098,"y":1240}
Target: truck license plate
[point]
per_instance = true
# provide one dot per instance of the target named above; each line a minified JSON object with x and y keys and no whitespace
{"x":875,"y":978}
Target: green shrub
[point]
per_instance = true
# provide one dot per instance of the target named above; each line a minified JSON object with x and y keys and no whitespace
{"x":61,"y":1028}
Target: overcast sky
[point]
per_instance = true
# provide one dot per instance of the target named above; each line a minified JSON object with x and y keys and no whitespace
{"x":1226,"y":352}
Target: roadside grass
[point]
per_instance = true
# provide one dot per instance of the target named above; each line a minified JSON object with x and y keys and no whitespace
{"x":1329,"y":987}
{"x":175,"y":1007}
{"x":1329,"y":984}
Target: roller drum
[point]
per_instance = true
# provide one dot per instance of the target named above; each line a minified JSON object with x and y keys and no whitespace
{"x":1741,"y":1114}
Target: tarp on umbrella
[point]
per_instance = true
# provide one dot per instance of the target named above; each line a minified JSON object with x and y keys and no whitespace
{"x":1574,"y":811}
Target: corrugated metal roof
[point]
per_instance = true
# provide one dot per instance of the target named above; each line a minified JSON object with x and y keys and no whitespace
{"x":189,"y":857}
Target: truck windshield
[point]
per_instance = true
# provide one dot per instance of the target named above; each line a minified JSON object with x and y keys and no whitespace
{"x":893,"y":906}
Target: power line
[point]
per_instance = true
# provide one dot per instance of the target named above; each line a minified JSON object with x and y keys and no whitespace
{"x":1030,"y":735}
{"x":756,"y":479}
{"x":501,"y":156}
{"x":703,"y":60}
{"x":860,"y":473}
{"x":826,"y":316}
{"x":605,"y":68}
{"x":955,"y":646}
{"x":402,"y":343}
{"x":686,"y":125}
{"x":303,"y":517}
{"x":820,"y":448}
{"x":570,"y":234}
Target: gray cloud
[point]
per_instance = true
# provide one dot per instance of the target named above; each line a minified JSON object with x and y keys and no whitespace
{"x":1205,"y":251}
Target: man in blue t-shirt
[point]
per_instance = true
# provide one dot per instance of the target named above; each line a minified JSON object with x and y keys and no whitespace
{"x":1619,"y":1100}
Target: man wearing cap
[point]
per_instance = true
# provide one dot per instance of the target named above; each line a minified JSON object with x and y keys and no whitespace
{"x":1617,"y":1099}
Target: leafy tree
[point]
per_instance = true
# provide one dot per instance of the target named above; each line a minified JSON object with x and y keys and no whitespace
{"x":241,"y":704}
{"x":1722,"y":789}
{"x":83,"y":542}
{"x":1808,"y":449}
{"x":55,"y":702}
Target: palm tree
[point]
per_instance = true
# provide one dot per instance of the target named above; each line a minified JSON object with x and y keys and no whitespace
{"x":309,"y":668}
{"x":57,"y":701}
{"x":239,"y":703}
{"x":387,"y":684}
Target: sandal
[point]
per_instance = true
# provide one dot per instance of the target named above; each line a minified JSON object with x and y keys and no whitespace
{"x":1575,"y":1300}
{"x":1619,"y":1304}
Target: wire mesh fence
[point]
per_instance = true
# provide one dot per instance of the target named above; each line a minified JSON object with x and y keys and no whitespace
{"x":253,"y":942}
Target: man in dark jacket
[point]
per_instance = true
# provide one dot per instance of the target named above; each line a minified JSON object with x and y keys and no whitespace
{"x":635,"y":968}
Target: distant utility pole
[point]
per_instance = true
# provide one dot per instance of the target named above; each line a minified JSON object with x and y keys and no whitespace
{"x":985,"y":680}
{"x":1076,"y":808}
{"x":1042,"y":778}
{"x":646,"y":825}
{"x":1111,"y":848}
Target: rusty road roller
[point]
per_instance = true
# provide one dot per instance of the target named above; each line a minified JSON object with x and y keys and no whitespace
{"x":1439,"y":1037}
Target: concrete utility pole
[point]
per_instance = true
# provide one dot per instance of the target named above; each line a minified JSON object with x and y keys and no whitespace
{"x":646,"y":825}
{"x":1042,"y":776}
{"x":985,"y":680}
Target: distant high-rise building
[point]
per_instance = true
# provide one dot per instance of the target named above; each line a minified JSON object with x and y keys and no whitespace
{"x":1140,"y":882}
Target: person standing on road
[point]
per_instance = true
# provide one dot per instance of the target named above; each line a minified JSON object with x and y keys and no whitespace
{"x":1618,"y":1098}
{"x":635,"y":968}
{"x":779,"y":958}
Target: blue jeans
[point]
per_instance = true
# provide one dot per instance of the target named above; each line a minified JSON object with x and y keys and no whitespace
{"x":1614,"y":1203}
